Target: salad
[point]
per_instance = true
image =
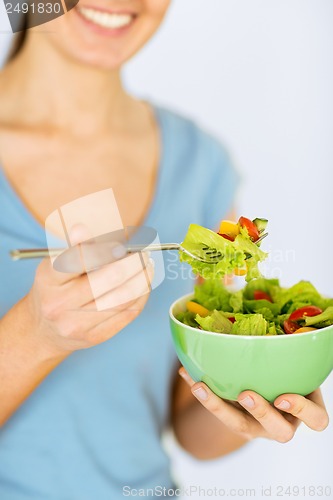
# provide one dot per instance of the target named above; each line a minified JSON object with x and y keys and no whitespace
{"x":235,"y":243}
{"x":262,"y":307}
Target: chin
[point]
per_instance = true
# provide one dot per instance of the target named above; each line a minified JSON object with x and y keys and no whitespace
{"x":104,"y":38}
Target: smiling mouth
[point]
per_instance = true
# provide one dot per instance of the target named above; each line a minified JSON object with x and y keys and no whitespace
{"x":107,"y":20}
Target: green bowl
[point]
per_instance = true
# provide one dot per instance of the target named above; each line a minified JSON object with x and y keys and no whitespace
{"x":270,"y":366}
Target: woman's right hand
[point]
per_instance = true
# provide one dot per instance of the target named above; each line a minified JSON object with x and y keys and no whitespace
{"x":62,"y":306}
{"x":64,"y":312}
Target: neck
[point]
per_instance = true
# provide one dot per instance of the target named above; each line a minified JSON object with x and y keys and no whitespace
{"x":51,"y":89}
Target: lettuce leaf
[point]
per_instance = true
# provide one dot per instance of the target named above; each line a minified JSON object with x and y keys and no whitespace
{"x":252,"y":254}
{"x":234,"y":253}
{"x":236,"y":301}
{"x":270,"y":286}
{"x":212,"y":294}
{"x":275,"y":329}
{"x":188,"y":318}
{"x":268,"y":309}
{"x":299,"y":295}
{"x":215,"y":322}
{"x":249,"y":324}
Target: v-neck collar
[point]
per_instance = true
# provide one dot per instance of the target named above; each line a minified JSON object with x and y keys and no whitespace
{"x":38,"y":229}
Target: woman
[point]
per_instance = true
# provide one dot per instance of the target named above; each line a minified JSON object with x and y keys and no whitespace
{"x":82,"y":418}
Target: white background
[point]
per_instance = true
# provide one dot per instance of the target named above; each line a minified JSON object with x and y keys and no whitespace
{"x":258,"y":74}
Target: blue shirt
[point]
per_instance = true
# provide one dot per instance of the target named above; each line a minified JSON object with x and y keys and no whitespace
{"x":94,"y":424}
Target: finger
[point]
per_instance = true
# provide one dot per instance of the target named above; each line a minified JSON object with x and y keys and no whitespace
{"x":88,"y":256}
{"x":87,"y":288}
{"x":275,"y":425}
{"x":85,"y":254}
{"x":91,"y":327}
{"x":235,"y":419}
{"x":185,"y":375}
{"x":77,"y":324}
{"x":70,"y":263}
{"x":112,"y":276}
{"x":310,"y":410}
{"x":47,"y":273}
{"x":78,"y":233}
{"x":108,"y":328}
{"x":133,"y":288}
{"x":317,"y":397}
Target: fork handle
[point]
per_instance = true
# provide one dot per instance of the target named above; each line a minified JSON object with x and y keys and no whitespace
{"x":39,"y":253}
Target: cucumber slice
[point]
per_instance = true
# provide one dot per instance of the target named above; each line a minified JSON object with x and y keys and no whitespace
{"x":261,"y":224}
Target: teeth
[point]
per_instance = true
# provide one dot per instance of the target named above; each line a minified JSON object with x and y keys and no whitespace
{"x":106,"y":20}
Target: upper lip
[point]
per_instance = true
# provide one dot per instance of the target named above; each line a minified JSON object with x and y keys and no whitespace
{"x":113,"y":10}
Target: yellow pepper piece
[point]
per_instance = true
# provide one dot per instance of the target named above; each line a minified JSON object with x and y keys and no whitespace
{"x":305,"y":329}
{"x":229,"y":228}
{"x":196,"y":308}
{"x":240,"y":271}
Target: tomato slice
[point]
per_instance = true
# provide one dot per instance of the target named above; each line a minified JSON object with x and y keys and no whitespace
{"x":260,"y":295}
{"x":227,"y":237}
{"x":290,"y":326}
{"x":302,"y":312}
{"x":250,"y":226}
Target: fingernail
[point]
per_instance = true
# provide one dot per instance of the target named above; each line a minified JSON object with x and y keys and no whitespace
{"x":201,"y":393}
{"x":284,"y":405}
{"x":119,"y":251}
{"x":151,"y":262}
{"x":248,"y":402}
{"x":183,"y":373}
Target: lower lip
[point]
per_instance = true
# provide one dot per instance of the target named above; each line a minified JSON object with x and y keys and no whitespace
{"x":113,"y":32}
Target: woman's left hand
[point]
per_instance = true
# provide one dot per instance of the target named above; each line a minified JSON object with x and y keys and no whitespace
{"x":252,"y":416}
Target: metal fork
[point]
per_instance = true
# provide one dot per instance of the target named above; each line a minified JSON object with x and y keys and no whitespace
{"x":211,"y":255}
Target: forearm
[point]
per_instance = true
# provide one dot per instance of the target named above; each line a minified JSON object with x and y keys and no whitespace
{"x":202,"y":434}
{"x":24,"y":359}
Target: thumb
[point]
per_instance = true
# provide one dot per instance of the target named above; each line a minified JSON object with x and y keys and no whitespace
{"x":78,"y":234}
{"x":72,"y":259}
{"x":95,"y":252}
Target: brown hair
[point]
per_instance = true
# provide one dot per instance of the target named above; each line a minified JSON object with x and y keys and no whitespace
{"x":19,"y":40}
